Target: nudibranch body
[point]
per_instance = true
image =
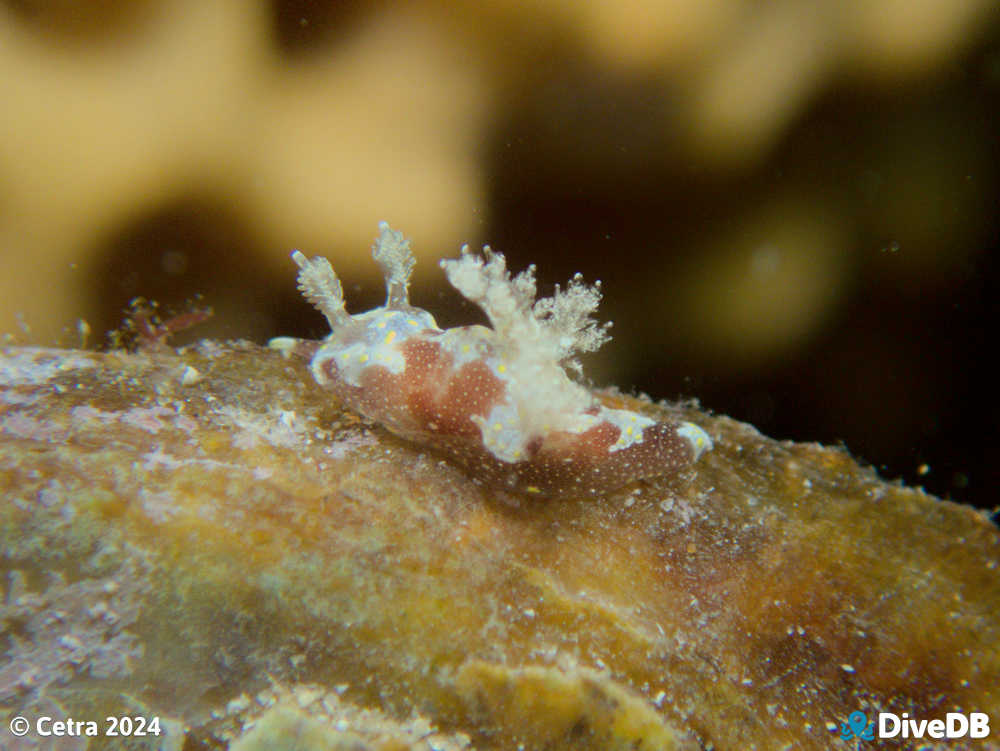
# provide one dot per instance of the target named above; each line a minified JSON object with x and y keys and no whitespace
{"x":496,"y":400}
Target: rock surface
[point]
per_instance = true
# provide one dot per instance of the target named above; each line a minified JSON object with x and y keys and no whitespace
{"x":206,"y":536}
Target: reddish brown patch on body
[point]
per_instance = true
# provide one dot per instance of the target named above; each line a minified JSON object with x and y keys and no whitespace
{"x":566,"y":464}
{"x":427,"y":365}
{"x":431,"y":402}
{"x":473,"y":390}
{"x":428,"y":368}
{"x":443,"y":399}
{"x":379,"y":397}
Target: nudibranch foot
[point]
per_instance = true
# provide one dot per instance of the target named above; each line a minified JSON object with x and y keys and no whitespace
{"x":498,"y":401}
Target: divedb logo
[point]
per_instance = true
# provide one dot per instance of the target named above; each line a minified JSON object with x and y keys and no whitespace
{"x":891,"y":725}
{"x":954,"y":725}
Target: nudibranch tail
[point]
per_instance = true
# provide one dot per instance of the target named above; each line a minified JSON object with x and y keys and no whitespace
{"x":498,"y":401}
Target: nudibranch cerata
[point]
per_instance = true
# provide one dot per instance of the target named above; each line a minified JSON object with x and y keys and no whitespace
{"x":498,"y":401}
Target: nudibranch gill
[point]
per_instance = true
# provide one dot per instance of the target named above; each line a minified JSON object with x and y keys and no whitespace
{"x":498,"y":401}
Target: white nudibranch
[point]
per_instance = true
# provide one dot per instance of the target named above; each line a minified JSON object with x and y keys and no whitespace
{"x":498,"y":400}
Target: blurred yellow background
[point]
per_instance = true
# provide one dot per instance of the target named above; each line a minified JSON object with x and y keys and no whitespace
{"x":792,"y":204}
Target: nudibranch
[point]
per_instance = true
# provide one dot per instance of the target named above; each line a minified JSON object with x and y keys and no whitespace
{"x":498,"y":401}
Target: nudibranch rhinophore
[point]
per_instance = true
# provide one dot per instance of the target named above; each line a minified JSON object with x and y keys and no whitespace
{"x":498,"y":401}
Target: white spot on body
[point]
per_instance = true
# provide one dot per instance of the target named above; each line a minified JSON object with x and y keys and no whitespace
{"x":377,"y":340}
{"x":631,"y":425}
{"x":698,"y":438}
{"x":502,"y":433}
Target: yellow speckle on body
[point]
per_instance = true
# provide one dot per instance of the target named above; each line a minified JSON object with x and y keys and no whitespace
{"x":389,"y":337}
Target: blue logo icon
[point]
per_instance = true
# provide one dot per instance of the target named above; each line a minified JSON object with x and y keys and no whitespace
{"x":857,"y":726}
